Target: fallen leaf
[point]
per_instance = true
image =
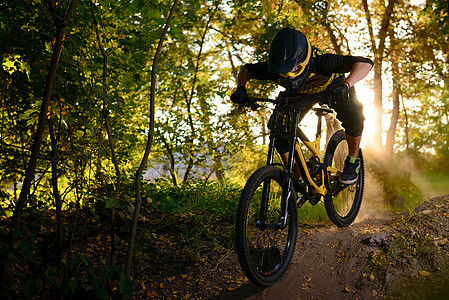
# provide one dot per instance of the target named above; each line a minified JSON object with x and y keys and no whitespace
{"x":442,"y":242}
{"x":424,"y":273}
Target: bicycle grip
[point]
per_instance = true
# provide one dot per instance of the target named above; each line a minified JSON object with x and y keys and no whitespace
{"x":255,"y":106}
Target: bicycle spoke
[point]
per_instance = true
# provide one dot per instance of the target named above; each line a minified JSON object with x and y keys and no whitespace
{"x":343,"y":202}
{"x":265,"y":250}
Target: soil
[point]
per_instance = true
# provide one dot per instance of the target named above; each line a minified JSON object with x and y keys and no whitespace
{"x":404,"y":256}
{"x":400,"y":256}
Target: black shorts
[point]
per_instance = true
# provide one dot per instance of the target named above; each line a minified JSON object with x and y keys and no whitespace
{"x":350,"y":114}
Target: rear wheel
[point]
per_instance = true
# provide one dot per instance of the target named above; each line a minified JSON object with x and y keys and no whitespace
{"x":343,"y":207}
{"x":265,"y":250}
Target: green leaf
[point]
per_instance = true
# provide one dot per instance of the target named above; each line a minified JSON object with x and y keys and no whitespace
{"x":32,"y":286}
{"x":73,"y":285}
{"x":102,"y":293}
{"x":112,"y":202}
{"x":126,"y":286}
{"x":49,"y":276}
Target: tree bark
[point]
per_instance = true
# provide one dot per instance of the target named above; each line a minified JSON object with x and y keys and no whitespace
{"x":42,"y":123}
{"x":138,"y":203}
{"x":395,"y":113}
{"x":407,"y":140}
{"x":56,"y":194}
{"x":109,"y":133}
{"x":189,"y":102}
{"x":332,"y":125}
{"x":171,"y":157}
{"x":378,"y":51}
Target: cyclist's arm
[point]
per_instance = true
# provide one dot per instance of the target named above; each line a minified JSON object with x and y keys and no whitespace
{"x":358,"y":72}
{"x":257,"y":71}
{"x":358,"y":66}
{"x":243,"y":77}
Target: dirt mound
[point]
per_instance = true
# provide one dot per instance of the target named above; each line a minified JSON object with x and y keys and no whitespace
{"x":402,"y":257}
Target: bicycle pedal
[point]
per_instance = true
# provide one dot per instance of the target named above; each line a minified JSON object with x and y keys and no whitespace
{"x":301,"y":201}
{"x":314,"y":201}
{"x":300,"y":187}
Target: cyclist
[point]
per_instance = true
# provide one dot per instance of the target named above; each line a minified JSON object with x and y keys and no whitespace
{"x":305,"y":70}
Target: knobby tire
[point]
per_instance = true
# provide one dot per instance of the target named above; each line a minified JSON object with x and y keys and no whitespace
{"x":265,"y":253}
{"x":343,"y":208}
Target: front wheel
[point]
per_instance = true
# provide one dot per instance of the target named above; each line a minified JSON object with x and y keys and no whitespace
{"x":263,"y":247}
{"x":343,"y":207}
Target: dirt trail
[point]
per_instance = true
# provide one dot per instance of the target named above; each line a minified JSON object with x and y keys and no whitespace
{"x":333,"y":263}
{"x":326,"y":266}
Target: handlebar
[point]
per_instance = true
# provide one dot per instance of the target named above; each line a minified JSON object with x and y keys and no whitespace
{"x":252,"y":102}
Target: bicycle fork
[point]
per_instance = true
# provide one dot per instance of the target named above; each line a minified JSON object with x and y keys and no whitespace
{"x":287,"y":191}
{"x":288,"y":171}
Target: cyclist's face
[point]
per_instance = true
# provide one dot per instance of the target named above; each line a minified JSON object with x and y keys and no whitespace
{"x":299,"y":68}
{"x":295,"y":72}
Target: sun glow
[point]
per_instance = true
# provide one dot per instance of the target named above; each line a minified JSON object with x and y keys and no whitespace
{"x":365,"y":95}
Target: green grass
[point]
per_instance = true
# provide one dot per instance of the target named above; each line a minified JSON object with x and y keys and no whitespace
{"x":196,"y":197}
{"x":312,"y":215}
{"x":431,"y":183}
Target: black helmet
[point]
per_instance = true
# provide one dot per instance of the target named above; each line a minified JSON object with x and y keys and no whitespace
{"x":288,"y":49}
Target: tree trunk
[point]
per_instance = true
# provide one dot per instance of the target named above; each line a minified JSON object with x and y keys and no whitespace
{"x":108,"y":130}
{"x":29,"y":173}
{"x":378,"y":51}
{"x":138,"y":203}
{"x":171,"y":157}
{"x":56,"y":195}
{"x":395,"y":113}
{"x":407,"y":140}
{"x":190,"y":98}
{"x":117,"y":188}
{"x":332,"y":125}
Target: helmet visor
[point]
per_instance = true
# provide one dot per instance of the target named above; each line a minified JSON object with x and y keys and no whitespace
{"x":296,"y":71}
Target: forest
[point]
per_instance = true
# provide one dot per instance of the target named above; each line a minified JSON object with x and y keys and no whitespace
{"x":122,"y":157}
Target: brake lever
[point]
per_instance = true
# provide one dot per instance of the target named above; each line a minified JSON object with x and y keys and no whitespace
{"x":255,"y":106}
{"x":249,"y":103}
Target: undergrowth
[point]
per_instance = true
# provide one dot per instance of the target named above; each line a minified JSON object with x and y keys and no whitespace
{"x":389,"y":188}
{"x":412,"y":260}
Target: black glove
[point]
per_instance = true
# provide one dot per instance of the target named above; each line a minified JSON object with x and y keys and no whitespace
{"x":340,"y":94}
{"x":240,"y":96}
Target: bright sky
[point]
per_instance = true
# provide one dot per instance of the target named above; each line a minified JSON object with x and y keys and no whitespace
{"x":364,"y":91}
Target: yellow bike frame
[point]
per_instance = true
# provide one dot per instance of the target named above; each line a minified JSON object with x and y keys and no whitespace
{"x":314,"y":148}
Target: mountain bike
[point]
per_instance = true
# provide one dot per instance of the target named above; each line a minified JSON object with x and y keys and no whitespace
{"x":267,"y":215}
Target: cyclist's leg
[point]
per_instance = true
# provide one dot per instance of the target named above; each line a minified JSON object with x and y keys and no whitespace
{"x":282,"y":144}
{"x":352,"y":118}
{"x":353,"y":144}
{"x":296,"y":172}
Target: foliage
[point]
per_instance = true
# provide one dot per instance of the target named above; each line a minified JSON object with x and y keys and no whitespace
{"x":36,"y":272}
{"x":429,"y":133}
{"x":200,"y":136}
{"x":399,"y":192}
{"x":195,"y":197}
{"x":439,"y":11}
{"x":191,"y":219}
{"x":410,"y":258}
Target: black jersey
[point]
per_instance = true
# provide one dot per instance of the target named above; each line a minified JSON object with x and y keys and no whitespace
{"x":323,"y":70}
